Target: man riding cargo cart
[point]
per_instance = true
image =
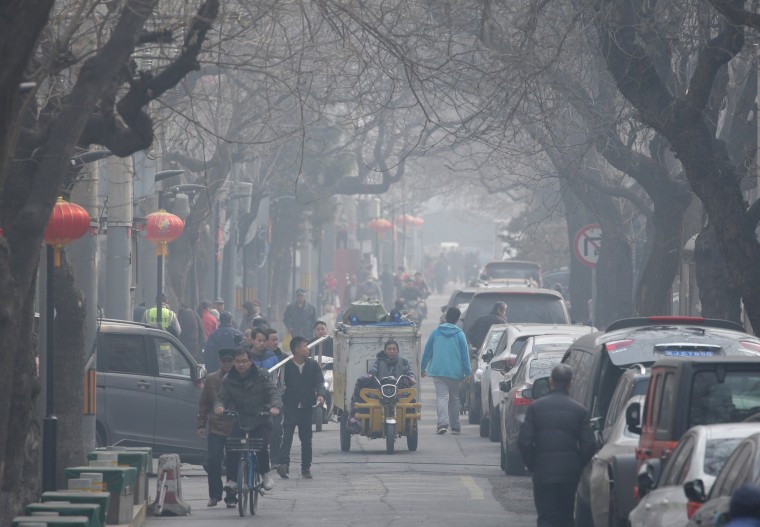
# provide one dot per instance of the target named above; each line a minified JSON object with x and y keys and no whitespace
{"x":376,"y":366}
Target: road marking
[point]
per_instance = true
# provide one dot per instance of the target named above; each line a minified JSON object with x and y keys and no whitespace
{"x":476,"y":493}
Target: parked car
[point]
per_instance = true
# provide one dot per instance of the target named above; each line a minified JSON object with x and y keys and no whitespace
{"x":490,"y":344}
{"x":148,"y":388}
{"x":524,"y":304}
{"x":612,"y":471}
{"x":541,"y":355}
{"x":512,"y":272}
{"x":497,"y":368}
{"x":599,"y":359}
{"x":700,"y":454}
{"x":742,"y":466}
{"x":459,"y":298}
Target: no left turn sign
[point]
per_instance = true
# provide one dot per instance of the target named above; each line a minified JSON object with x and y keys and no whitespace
{"x":587,"y":243}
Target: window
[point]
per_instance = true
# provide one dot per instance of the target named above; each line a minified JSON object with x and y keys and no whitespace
{"x":492,"y":340}
{"x":664,"y":422}
{"x":171,"y":362}
{"x":542,"y":367}
{"x":582,"y":377}
{"x":733,"y":475}
{"x":618,"y":400}
{"x":678,"y":466}
{"x":716,"y":453}
{"x":734,"y":399}
{"x":123,"y":354}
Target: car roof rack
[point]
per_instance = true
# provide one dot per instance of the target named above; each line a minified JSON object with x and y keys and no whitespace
{"x":674,"y":321}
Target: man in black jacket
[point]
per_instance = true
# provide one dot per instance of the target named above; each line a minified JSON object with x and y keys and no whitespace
{"x":304,"y":387}
{"x":556,"y":443}
{"x":479,"y":329}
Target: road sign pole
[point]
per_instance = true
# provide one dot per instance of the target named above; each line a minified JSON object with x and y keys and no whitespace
{"x":592,"y":309}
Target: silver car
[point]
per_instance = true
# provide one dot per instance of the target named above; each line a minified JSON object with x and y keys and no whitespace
{"x":700,"y":454}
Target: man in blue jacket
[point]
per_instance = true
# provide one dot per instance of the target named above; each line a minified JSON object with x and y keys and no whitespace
{"x":447,"y":361}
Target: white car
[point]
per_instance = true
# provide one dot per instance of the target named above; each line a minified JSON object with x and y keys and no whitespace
{"x":700,"y":454}
{"x":478,"y":364}
{"x":498,"y":368}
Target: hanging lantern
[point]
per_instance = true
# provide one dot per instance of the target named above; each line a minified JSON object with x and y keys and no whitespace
{"x":417,"y":221}
{"x":68,"y":222}
{"x":161,"y":228}
{"x":406,"y":220}
{"x":380,"y":225}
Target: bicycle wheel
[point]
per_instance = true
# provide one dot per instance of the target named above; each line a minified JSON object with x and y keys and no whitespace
{"x":257,"y":485}
{"x":242,"y":483}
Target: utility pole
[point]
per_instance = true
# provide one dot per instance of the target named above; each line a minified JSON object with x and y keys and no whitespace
{"x":83,"y":255}
{"x":120,"y":172}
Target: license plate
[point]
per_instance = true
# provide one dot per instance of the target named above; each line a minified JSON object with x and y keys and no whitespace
{"x":673,"y":353}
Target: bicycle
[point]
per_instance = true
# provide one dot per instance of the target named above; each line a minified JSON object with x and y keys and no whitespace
{"x":250,"y":484}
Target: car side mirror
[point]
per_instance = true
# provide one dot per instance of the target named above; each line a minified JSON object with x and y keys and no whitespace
{"x":695,"y":490}
{"x":487,"y":356}
{"x":633,"y":418}
{"x":505,"y":386}
{"x":649,"y":476}
{"x":540,"y":388}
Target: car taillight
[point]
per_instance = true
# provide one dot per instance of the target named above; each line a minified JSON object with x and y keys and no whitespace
{"x":692,"y":507}
{"x":749,"y":347}
{"x":519,"y":400}
{"x":618,"y":345}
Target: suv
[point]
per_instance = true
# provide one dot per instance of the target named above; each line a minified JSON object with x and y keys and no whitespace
{"x":512,"y":272}
{"x":599,"y":360}
{"x":148,"y":388}
{"x":524,"y":304}
{"x":497,"y":366}
{"x":683,"y":394}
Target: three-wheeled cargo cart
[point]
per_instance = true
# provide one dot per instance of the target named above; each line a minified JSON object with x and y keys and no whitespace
{"x":355,"y":350}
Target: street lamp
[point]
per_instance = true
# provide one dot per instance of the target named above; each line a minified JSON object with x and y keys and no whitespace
{"x":68,"y":222}
{"x":162,"y":228}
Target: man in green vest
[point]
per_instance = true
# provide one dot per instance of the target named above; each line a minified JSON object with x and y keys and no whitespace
{"x":169,"y":320}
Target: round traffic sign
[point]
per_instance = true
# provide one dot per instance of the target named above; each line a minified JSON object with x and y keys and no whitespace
{"x":586,"y":245}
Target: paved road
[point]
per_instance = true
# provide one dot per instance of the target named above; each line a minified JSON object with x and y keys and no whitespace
{"x":450,"y":480}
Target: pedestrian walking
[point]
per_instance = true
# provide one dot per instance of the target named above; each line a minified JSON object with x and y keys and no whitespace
{"x":556,"y":442}
{"x":169,"y":320}
{"x":304,"y":389}
{"x":273,"y":345}
{"x":225,"y":337}
{"x":447,"y":361}
{"x":210,"y":323}
{"x":252,"y":316}
{"x":744,"y":507}
{"x":300,"y":316}
{"x":215,"y":429}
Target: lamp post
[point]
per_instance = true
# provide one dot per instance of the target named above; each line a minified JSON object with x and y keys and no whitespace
{"x":68,"y":222}
{"x":162,"y":228}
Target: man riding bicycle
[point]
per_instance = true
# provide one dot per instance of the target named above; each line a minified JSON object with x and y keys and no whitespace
{"x":249,"y":391}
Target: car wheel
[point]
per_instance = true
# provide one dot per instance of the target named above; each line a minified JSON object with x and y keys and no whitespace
{"x":494,"y":432}
{"x":484,"y":426}
{"x":475,"y":412}
{"x":582,"y":514}
{"x":513,"y":463}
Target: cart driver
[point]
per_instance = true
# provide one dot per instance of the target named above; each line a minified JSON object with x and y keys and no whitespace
{"x":387,"y":364}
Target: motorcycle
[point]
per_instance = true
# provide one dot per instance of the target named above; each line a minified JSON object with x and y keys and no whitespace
{"x":417,"y":310}
{"x":389,"y":411}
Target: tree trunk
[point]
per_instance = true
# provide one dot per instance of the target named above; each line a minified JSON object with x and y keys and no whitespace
{"x":653,"y":294}
{"x":577,"y":216}
{"x":69,"y":370}
{"x":718,"y":298}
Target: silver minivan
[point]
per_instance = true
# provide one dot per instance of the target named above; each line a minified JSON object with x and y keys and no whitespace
{"x":148,"y":388}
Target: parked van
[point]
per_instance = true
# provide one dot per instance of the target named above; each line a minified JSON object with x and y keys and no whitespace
{"x":148,"y":388}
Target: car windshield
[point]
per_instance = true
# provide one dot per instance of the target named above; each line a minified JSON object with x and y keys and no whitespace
{"x":730,"y":401}
{"x":521,"y":308}
{"x":493,"y":340}
{"x":512,"y":270}
{"x":551,"y":346}
{"x":717,"y":452}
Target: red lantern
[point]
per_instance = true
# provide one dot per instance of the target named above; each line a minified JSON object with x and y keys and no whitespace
{"x":406,"y":220}
{"x":161,"y":228}
{"x":380,"y":225}
{"x":418,"y":222}
{"x":68,"y":222}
